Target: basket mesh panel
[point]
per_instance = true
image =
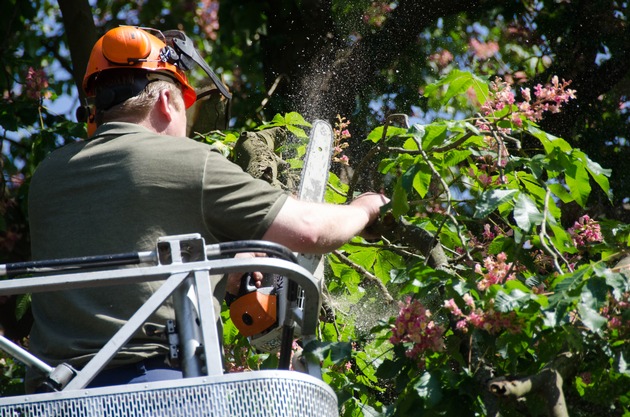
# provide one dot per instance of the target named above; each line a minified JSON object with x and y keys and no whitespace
{"x":256,"y":397}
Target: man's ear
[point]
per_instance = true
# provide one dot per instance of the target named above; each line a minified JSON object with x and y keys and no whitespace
{"x":164,"y":104}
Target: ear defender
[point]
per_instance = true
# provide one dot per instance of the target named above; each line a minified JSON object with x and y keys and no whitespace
{"x":86,"y":114}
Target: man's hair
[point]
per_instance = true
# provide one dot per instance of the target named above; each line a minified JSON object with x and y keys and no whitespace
{"x":136,"y":107}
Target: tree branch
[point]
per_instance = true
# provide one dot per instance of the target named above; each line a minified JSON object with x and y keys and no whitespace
{"x":81,"y":36}
{"x":366,"y":274}
{"x":547,"y":383}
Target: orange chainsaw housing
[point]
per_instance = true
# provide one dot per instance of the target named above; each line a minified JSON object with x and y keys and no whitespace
{"x":253,"y":313}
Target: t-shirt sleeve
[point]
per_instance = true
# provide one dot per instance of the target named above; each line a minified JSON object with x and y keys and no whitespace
{"x":237,"y":206}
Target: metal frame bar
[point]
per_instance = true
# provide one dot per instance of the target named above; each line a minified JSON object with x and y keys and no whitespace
{"x":174,"y":275}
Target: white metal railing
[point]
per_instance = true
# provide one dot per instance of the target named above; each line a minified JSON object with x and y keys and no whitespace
{"x":183,"y":264}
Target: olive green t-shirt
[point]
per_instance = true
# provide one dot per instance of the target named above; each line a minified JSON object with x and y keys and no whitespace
{"x":119,"y":192}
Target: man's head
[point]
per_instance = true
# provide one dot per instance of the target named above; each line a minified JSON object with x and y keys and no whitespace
{"x":130,"y":95}
{"x":128,"y":70}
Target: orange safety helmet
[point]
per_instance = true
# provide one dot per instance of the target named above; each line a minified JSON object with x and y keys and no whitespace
{"x":129,"y":47}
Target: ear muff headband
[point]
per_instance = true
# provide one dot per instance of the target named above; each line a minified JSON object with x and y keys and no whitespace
{"x":186,"y":56}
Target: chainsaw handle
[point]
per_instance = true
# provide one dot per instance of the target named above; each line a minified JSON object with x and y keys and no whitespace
{"x":247,"y":285}
{"x":272,"y":249}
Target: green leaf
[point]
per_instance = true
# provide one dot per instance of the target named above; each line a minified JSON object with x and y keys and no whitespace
{"x":295,"y":118}
{"x":338,"y":351}
{"x":422,"y":179}
{"x":532,"y":185}
{"x":364,"y":257}
{"x":389,"y":368}
{"x":599,"y":174}
{"x":624,"y":367}
{"x":480,"y":86}
{"x":569,"y":282}
{"x":526,"y":214}
{"x":490,"y":200}
{"x":410,"y":145}
{"x":300,"y":133}
{"x":377,"y":134}
{"x":458,"y":82}
{"x":385,"y":262}
{"x":561,"y":192}
{"x":455,"y":156}
{"x":578,"y":183}
{"x":505,"y":302}
{"x":428,"y":388}
{"x":591,"y":318}
{"x":400,"y":205}
{"x":332,"y":196}
{"x":549,"y":141}
{"x":435,"y":134}
{"x":501,"y":244}
{"x":23,"y":304}
{"x":618,"y":282}
{"x":594,"y":293}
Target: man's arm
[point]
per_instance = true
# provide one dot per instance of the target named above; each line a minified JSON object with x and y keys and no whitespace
{"x":319,"y":227}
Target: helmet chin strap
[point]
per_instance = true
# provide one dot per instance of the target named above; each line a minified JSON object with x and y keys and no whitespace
{"x":184,"y":53}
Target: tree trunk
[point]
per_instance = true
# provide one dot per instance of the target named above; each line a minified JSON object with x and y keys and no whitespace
{"x":81,"y":36}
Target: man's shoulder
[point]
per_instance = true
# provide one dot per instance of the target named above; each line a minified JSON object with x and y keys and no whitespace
{"x":130,"y":135}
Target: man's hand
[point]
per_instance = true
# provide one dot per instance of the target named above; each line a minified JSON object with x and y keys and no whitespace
{"x":371,"y":203}
{"x":234,"y":279}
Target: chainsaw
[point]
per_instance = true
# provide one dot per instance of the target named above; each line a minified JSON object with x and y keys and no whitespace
{"x":264,"y":314}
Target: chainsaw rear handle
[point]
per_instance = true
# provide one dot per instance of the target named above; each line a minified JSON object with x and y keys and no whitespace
{"x":242,"y":246}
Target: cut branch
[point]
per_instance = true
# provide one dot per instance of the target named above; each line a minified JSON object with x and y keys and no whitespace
{"x":410,"y":235}
{"x":546,"y":383}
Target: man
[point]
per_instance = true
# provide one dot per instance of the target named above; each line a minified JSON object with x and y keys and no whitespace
{"x":139,"y":178}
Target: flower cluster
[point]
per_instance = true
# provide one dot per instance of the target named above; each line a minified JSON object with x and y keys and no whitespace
{"x":490,"y":232}
{"x":341,"y":135}
{"x":585,"y":231}
{"x":414,"y":325}
{"x":483,"y":50}
{"x":491,"y":162}
{"x":36,"y":84}
{"x":491,"y":321}
{"x":547,"y":98}
{"x":617,"y":313}
{"x":208,"y":17}
{"x":376,"y":13}
{"x":497,"y":271}
{"x":441,"y":58}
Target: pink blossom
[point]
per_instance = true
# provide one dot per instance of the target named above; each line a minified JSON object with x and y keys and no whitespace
{"x":442,"y":58}
{"x":548,"y":98}
{"x":470,"y":302}
{"x":340,"y":136}
{"x":490,"y":321}
{"x":36,"y":84}
{"x":376,"y":14}
{"x":208,"y":17}
{"x":414,"y":325}
{"x":487,"y":233}
{"x":616,"y":313}
{"x":496,"y":271}
{"x":484,"y":50}
{"x":451,"y":305}
{"x":585,"y":231}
